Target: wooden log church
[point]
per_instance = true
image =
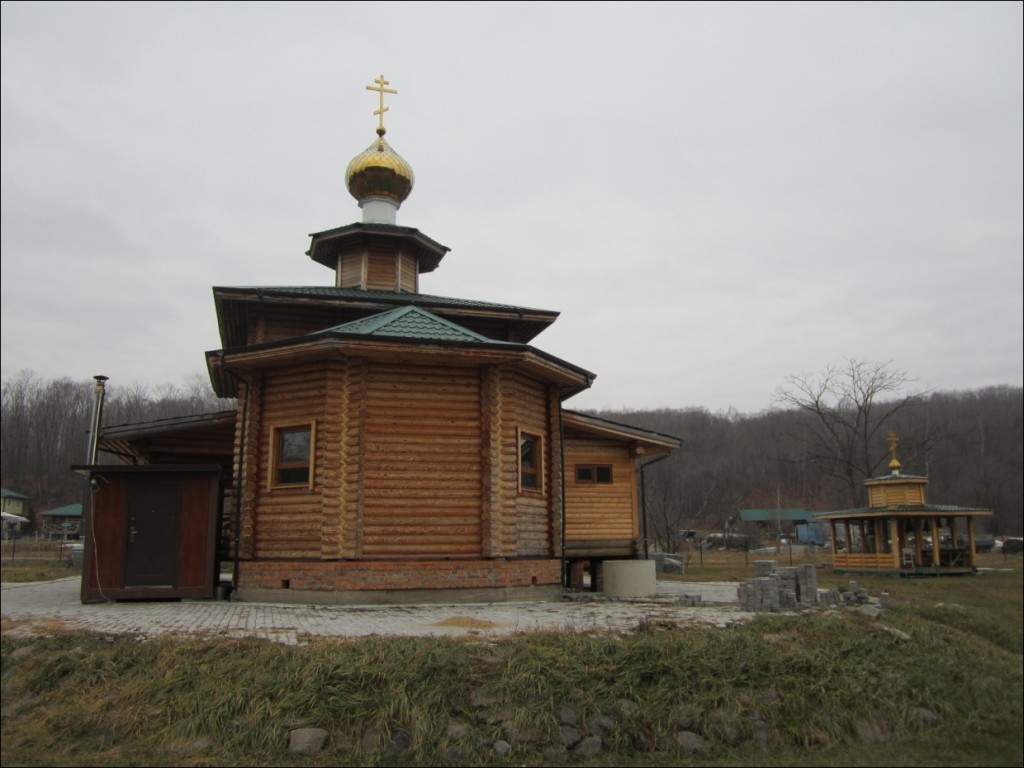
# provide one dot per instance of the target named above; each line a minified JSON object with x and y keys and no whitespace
{"x":388,"y":445}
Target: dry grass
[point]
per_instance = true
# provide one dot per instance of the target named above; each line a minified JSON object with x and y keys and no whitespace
{"x":815,"y":681}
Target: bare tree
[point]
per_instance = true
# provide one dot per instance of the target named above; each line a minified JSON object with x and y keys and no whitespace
{"x":44,"y":427}
{"x":849,"y":409}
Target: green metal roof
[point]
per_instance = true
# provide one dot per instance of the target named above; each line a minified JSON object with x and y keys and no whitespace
{"x":8,"y":494}
{"x":902,"y":509}
{"x":409,"y":322}
{"x":771,"y":515}
{"x":68,"y":510}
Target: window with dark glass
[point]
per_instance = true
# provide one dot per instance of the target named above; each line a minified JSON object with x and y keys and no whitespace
{"x":593,"y":473}
{"x":529,"y":462}
{"x":292,"y":450}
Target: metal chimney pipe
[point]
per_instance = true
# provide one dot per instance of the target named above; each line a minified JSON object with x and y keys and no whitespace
{"x":97,"y":417}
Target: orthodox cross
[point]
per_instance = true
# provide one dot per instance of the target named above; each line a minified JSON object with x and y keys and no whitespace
{"x":893,"y":442}
{"x":381,"y":82}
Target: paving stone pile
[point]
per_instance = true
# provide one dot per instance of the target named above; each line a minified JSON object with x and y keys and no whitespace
{"x":779,"y":589}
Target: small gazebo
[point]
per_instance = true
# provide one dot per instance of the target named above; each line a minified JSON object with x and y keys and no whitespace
{"x":900,"y":533}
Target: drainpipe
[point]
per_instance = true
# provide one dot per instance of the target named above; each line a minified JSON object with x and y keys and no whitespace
{"x":561,"y":445}
{"x":643,"y":498}
{"x":239,"y":479}
{"x":97,"y":417}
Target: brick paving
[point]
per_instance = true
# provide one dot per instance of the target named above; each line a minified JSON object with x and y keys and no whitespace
{"x":43,"y":607}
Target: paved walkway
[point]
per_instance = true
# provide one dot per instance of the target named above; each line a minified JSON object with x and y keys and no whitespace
{"x":42,"y":607}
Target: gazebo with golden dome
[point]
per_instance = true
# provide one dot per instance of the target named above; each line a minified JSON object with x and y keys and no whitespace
{"x":900,"y":532}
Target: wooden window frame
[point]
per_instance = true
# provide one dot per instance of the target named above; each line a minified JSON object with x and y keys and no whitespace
{"x":277,"y":433}
{"x":594,"y":469}
{"x":537,"y":471}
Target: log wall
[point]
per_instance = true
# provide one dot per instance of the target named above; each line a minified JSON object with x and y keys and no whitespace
{"x":527,"y":523}
{"x":288,"y":518}
{"x":409,"y":462}
{"x":422,"y":465}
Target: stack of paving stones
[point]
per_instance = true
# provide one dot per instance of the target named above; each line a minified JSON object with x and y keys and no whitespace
{"x":858,"y":596}
{"x":779,"y":589}
{"x":690,"y":601}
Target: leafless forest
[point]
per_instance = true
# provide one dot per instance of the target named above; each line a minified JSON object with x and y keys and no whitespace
{"x":813,"y":449}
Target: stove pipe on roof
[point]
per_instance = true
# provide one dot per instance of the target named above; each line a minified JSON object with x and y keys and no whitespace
{"x":97,"y":416}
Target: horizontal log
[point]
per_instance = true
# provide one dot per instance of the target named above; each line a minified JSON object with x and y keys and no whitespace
{"x":460,"y":496}
{"x":600,"y":532}
{"x":417,"y":549}
{"x":374,"y":535}
{"x":422,"y":521}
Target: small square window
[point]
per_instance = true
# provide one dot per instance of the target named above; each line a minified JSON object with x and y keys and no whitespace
{"x":593,"y":473}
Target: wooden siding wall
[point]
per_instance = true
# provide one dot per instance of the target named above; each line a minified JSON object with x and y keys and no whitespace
{"x":408,"y":273}
{"x":600,"y":511}
{"x":884,"y":495}
{"x":527,"y":528}
{"x":381,"y":271}
{"x":288,"y":520}
{"x":277,"y":322}
{"x":422,"y":462}
{"x":350,"y":270}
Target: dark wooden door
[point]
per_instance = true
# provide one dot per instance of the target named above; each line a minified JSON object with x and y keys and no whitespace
{"x":151,"y":533}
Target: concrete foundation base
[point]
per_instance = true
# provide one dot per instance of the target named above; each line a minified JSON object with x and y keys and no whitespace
{"x":629,"y":578}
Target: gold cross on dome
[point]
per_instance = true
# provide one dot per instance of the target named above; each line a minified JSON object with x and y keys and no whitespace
{"x":893,"y":442}
{"x":381,"y":82}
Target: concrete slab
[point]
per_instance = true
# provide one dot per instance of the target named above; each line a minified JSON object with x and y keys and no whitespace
{"x":44,"y":607}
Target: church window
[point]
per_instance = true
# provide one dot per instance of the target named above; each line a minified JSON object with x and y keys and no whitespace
{"x":530,"y":465}
{"x":293,"y":450}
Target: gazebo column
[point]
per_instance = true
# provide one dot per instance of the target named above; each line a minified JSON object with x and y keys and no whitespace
{"x":897,"y":544}
{"x":971,"y":551}
{"x":936,"y":541}
{"x":918,"y":542}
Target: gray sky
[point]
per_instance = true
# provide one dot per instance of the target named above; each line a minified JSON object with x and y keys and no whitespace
{"x":714,"y":196}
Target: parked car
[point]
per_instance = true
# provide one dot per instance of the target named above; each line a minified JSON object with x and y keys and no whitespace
{"x":1013,"y":545}
{"x":667,"y":563}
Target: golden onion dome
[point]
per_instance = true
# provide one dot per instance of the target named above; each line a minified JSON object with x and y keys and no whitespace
{"x":379,"y":171}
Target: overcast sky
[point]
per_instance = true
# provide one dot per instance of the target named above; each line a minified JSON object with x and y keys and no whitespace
{"x":714,"y":196}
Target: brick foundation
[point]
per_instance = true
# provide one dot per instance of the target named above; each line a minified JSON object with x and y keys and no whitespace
{"x":329,"y":581}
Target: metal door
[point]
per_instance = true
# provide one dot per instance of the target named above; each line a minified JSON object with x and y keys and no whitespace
{"x":151,"y":534}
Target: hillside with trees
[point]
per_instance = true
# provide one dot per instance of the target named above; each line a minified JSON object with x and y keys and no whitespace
{"x":812,"y":450}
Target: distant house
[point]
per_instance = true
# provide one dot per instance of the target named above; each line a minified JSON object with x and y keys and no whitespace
{"x":13,"y":509}
{"x":12,"y":503}
{"x":63,"y":521}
